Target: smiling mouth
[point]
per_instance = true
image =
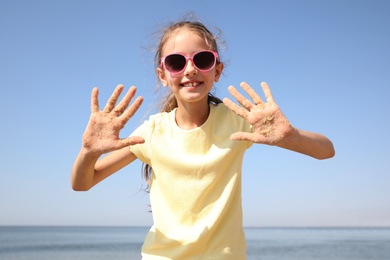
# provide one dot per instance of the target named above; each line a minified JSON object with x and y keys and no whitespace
{"x":190,"y":84}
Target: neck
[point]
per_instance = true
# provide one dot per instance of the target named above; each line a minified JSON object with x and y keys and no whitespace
{"x":190,"y":116}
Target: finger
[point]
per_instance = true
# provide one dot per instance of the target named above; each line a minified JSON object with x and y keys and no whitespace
{"x":123,"y":104}
{"x":242,"y":136}
{"x":240,"y":98}
{"x":94,"y":100}
{"x":254,"y":96}
{"x":132,"y":140}
{"x":132,"y":109}
{"x":267,"y":92}
{"x":235,"y":108}
{"x":112,"y":100}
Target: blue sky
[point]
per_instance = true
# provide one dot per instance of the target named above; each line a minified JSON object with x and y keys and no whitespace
{"x":327,"y":63}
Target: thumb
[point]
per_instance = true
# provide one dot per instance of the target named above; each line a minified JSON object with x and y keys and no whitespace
{"x":132,"y":140}
{"x":241,"y":136}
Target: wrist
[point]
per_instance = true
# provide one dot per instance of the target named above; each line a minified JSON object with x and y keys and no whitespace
{"x":89,"y":154}
{"x":290,"y":139}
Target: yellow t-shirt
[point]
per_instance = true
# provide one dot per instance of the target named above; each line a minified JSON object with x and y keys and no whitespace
{"x":195,"y":191}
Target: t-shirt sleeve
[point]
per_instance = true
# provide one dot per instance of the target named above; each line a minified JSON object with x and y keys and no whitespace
{"x":239,"y":124}
{"x":142,"y":151}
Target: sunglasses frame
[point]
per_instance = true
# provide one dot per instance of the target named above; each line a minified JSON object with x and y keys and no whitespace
{"x":189,"y":57}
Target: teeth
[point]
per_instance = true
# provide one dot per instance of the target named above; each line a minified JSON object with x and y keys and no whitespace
{"x":191,"y":84}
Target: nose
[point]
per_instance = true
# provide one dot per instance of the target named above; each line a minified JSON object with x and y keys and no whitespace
{"x":190,"y":69}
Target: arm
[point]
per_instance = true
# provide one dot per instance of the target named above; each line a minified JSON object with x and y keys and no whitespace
{"x":309,"y":143}
{"x":271,"y":127}
{"x":102,"y":136}
{"x":88,"y":170}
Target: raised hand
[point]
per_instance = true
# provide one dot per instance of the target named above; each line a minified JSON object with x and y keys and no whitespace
{"x":270,"y":126}
{"x":102,"y":132}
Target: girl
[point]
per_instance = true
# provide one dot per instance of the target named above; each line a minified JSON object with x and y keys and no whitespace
{"x":193,"y":150}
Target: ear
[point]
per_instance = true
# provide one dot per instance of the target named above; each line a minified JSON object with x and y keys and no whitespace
{"x":218,"y":71}
{"x":162,"y":77}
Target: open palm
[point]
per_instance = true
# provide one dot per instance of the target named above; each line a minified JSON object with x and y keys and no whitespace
{"x":270,"y":126}
{"x":102,"y":132}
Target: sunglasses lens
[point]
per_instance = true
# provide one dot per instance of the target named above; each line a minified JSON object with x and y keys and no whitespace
{"x":204,"y":60}
{"x":175,"y":62}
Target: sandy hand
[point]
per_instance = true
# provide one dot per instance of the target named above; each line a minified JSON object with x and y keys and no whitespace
{"x":270,"y":126}
{"x":102,"y":132}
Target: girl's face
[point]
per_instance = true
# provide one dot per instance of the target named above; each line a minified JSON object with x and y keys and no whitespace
{"x":190,"y":86}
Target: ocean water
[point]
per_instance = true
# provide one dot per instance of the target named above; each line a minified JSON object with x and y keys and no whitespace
{"x":120,"y":243}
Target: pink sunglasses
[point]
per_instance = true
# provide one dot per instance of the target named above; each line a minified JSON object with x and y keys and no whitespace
{"x":175,"y":63}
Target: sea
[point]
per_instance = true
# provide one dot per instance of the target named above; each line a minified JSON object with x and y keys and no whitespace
{"x":120,"y":243}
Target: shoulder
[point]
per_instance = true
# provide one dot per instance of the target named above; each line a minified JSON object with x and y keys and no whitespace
{"x":158,"y":119}
{"x":156,"y":123}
